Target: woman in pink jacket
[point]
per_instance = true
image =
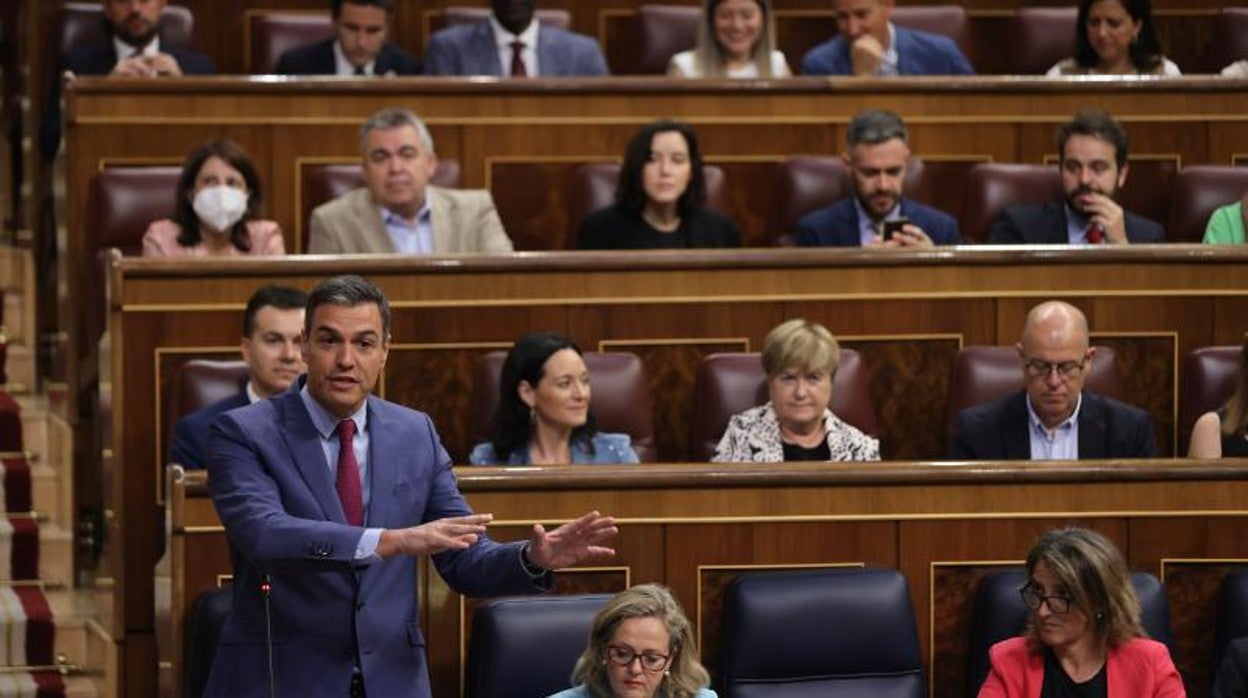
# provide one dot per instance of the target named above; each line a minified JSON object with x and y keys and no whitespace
{"x":1083,"y":635}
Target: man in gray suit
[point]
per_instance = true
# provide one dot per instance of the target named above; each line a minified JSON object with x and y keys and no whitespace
{"x":512,"y":42}
{"x":400,"y":211}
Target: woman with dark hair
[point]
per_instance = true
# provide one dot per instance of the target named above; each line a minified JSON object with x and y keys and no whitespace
{"x":660,"y":198}
{"x":215,"y":209}
{"x":1115,"y":37}
{"x":641,"y":645}
{"x":1083,"y":635}
{"x":1224,"y":433}
{"x":543,"y":415}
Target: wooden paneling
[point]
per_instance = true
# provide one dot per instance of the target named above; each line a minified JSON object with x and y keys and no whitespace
{"x":696,"y":528}
{"x":907,"y":312}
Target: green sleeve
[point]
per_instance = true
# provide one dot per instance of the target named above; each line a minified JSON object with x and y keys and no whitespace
{"x":1226,"y":226}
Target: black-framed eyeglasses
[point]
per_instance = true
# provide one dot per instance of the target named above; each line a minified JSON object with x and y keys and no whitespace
{"x":1067,"y":370}
{"x":625,"y":656}
{"x":1057,"y":603}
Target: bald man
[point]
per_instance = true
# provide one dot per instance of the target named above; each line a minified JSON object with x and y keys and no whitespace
{"x":1053,"y":417}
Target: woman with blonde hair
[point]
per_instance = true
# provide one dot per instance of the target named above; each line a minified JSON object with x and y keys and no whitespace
{"x":1224,"y":433}
{"x":736,"y":39}
{"x":1083,"y":635}
{"x":641,"y":645}
{"x":800,"y":358}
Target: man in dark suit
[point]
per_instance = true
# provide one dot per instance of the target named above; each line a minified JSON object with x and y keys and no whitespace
{"x":358,"y":47}
{"x":1092,"y":152}
{"x":868,"y":44}
{"x":1053,"y":417}
{"x":512,"y":42}
{"x":878,"y":152}
{"x":1231,"y":680}
{"x":131,"y":47}
{"x":329,"y":494}
{"x":272,"y":324}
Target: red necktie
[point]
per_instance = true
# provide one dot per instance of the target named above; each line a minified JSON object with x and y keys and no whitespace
{"x":517,"y":60}
{"x":1095,"y":234}
{"x":348,"y":484}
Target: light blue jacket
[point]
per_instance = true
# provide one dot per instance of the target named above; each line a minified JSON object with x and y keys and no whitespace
{"x":609,"y":449}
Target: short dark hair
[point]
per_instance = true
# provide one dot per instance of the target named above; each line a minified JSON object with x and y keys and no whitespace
{"x":335,"y":6}
{"x":1097,"y":124}
{"x":349,"y":290}
{"x":629,"y":191}
{"x":513,"y":426}
{"x":280,"y":297}
{"x":1146,"y":53}
{"x":183,"y":208}
{"x":875,"y":126}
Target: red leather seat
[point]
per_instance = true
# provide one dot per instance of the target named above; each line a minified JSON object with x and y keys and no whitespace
{"x":1040,"y":37}
{"x":992,"y":186}
{"x":620,"y":398}
{"x":325,"y":182}
{"x":123,"y":201}
{"x":665,"y":31}
{"x":1198,"y":190}
{"x":946,"y":20}
{"x":982,"y":374}
{"x":270,"y":34}
{"x":806,"y":183}
{"x":197,"y":384}
{"x":81,"y":23}
{"x":1209,"y":379}
{"x":730,"y":383}
{"x":593,"y":187}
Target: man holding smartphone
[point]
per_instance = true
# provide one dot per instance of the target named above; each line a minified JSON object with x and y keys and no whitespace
{"x":877,"y":215}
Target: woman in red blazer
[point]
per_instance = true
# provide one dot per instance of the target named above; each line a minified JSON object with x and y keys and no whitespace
{"x":1083,"y":636}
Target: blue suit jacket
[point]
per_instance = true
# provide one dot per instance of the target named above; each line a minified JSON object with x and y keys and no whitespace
{"x":837,"y":225}
{"x":470,"y":50}
{"x":99,"y":59}
{"x":918,"y":53}
{"x":190,"y":434}
{"x":318,"y":59}
{"x":275,"y":495}
{"x":1000,"y":431}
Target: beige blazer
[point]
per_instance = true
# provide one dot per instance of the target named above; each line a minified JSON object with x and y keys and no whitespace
{"x":464,"y":220}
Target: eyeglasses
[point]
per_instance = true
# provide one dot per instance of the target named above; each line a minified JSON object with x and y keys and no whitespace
{"x":624,"y":656}
{"x":1067,"y":370}
{"x":1056,"y":602}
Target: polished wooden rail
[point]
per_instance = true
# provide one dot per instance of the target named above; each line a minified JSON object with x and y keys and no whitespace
{"x":696,"y":527}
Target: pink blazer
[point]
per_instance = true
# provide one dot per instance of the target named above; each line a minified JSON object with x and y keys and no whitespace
{"x":161,"y":240}
{"x":1140,"y":668}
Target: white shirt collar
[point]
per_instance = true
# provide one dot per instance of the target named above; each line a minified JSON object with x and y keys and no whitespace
{"x":342,"y":66}
{"x":1036,"y":425}
{"x":124,"y":50}
{"x":252,"y":395}
{"x":503,"y":38}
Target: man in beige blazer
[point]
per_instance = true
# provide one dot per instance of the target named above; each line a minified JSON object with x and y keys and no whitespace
{"x":399,"y":211}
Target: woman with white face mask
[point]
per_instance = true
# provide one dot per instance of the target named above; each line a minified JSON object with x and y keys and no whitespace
{"x":215,"y":209}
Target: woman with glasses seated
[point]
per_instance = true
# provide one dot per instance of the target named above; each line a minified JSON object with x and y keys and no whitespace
{"x":543,"y":415}
{"x":800,"y":358}
{"x":1083,"y":635}
{"x":640,"y":645}
{"x":1224,"y":433}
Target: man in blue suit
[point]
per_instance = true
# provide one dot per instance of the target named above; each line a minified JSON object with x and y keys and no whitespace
{"x":878,"y":152}
{"x":358,"y":46}
{"x":329,"y":495}
{"x":272,"y":325}
{"x":868,"y":44}
{"x":512,"y":42}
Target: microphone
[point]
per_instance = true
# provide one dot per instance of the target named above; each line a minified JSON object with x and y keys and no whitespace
{"x":266,"y":588}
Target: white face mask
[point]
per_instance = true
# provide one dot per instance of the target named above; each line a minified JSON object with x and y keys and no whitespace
{"x":220,"y":207}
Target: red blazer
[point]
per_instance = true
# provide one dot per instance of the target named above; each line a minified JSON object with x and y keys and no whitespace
{"x":1138,"y":669}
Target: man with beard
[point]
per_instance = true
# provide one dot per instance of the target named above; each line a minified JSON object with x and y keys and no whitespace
{"x":131,"y":47}
{"x":1093,"y":165}
{"x":512,"y":42}
{"x":877,"y":215}
{"x":1053,"y":417}
{"x":358,"y":46}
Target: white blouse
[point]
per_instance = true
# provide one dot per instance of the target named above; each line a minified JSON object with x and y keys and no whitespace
{"x":683,"y":65}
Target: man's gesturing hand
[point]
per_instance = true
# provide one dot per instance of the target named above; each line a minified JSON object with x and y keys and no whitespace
{"x":455,"y":533}
{"x":572,"y":543}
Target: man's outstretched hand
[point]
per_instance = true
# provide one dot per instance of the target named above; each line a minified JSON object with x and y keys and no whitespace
{"x":573,"y":543}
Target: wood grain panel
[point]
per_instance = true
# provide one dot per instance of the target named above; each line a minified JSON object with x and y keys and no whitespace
{"x":1149,"y":383}
{"x":1189,"y":586}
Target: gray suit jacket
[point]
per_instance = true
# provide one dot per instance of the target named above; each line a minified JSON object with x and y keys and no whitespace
{"x":470,"y":50}
{"x":464,"y":220}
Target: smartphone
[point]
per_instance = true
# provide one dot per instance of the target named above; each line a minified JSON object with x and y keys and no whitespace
{"x":891,"y":227}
